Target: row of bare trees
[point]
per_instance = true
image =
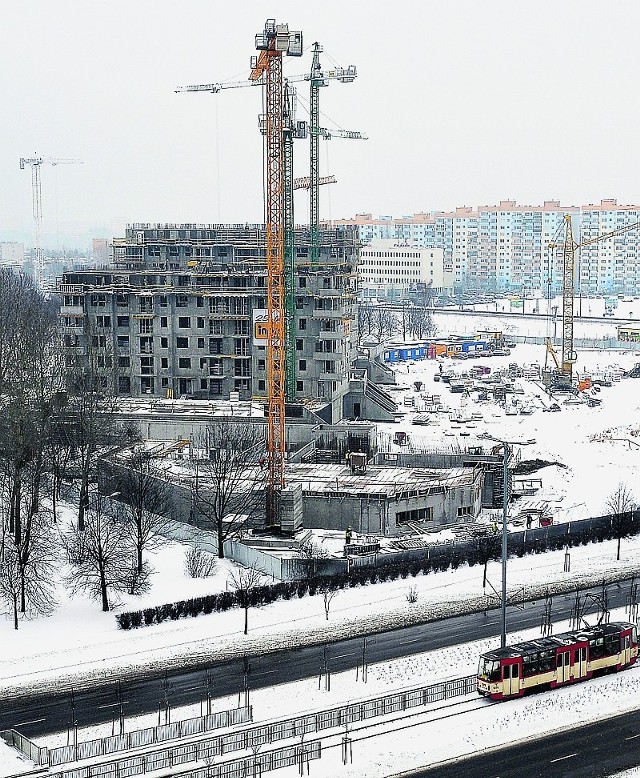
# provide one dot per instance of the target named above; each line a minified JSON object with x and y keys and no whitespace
{"x":409,"y":320}
{"x":55,"y":419}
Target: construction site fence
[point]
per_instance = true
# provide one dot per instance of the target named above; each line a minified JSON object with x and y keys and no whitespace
{"x":519,"y":543}
{"x":144,"y":737}
{"x":587,"y":343}
{"x":256,"y":737}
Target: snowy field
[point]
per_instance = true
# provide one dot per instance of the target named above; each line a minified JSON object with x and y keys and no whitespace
{"x":597,"y":445}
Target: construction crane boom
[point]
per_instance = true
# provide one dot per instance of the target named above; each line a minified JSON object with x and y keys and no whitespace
{"x":323,"y":132}
{"x":35,"y":163}
{"x":304,"y":182}
{"x":344,"y":75}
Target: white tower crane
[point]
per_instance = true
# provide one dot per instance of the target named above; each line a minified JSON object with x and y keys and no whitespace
{"x":36,"y":198}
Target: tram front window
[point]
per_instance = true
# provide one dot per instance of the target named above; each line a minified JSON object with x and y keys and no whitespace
{"x":489,"y":669}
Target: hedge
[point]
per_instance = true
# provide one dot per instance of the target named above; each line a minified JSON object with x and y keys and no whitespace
{"x":438,"y":560}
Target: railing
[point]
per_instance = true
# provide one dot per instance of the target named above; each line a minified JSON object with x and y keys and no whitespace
{"x":255,"y":737}
{"x":246,"y":766}
{"x":145,"y":737}
{"x":25,"y":746}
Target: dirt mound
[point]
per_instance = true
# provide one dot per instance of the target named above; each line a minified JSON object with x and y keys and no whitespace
{"x":528,"y":466}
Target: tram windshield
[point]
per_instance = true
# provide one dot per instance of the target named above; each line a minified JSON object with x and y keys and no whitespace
{"x":489,"y":669}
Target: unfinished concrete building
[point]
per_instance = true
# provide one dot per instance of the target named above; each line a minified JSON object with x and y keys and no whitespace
{"x":180,"y":312}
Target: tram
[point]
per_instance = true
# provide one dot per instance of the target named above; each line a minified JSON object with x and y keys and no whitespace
{"x":557,"y":660}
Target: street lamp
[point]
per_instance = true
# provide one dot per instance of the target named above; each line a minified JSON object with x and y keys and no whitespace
{"x":506,"y":453}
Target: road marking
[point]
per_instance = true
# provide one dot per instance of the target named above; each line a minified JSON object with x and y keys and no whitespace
{"x":560,"y":758}
{"x":24,"y":723}
{"x":633,"y":737}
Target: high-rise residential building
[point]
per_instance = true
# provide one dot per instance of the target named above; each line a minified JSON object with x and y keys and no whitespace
{"x":179,"y":313}
{"x":506,"y":247}
{"x":611,"y":265}
{"x":392,"y":269}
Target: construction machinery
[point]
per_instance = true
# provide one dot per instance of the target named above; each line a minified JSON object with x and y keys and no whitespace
{"x":275,"y":40}
{"x":293,"y":129}
{"x":35,"y":163}
{"x":563,"y":374}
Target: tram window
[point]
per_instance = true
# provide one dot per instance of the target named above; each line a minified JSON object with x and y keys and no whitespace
{"x":634,"y":635}
{"x":547,"y":661}
{"x":612,"y":644}
{"x":489,"y":669}
{"x":596,"y":648}
{"x":530,"y":665}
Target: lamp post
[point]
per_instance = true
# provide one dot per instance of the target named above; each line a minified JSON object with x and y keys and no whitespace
{"x":506,"y":453}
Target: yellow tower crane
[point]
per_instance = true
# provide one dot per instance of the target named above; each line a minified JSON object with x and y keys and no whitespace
{"x":272,"y":43}
{"x":564,"y":372}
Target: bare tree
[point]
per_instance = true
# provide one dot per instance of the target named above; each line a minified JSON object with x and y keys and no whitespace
{"x":328,"y":593}
{"x":146,"y":497}
{"x":376,"y":321}
{"x":488,"y":547}
{"x":10,"y":577}
{"x":229,"y":489}
{"x":243,"y":581}
{"x":199,"y":563}
{"x":102,"y":555}
{"x":89,"y":410}
{"x":30,"y":375}
{"x":620,"y":504}
{"x":311,"y":552}
{"x":28,"y":569}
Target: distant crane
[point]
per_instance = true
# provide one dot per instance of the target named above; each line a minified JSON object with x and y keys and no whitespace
{"x":569,"y":247}
{"x":36,"y":198}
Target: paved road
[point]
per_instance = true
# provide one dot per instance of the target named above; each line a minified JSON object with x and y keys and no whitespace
{"x":34,"y":716}
{"x":590,"y":751}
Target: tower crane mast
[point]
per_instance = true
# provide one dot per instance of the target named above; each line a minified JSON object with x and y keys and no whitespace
{"x":35,"y":163}
{"x":272,"y":43}
{"x":569,"y":248}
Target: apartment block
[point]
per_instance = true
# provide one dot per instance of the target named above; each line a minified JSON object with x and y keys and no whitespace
{"x":611,"y":265}
{"x":501,"y":247}
{"x":179,"y":314}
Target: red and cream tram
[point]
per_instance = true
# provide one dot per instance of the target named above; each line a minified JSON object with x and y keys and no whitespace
{"x":556,"y":660}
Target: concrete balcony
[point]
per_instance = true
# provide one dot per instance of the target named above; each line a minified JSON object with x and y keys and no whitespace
{"x":72,"y":310}
{"x":321,"y":313}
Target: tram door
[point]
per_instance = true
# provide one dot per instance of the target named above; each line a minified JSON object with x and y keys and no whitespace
{"x":510,"y":679}
{"x":580,"y":662}
{"x":563,"y":666}
{"x":626,"y":650}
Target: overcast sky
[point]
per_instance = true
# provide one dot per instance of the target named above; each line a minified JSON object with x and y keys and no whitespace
{"x":464,"y":102}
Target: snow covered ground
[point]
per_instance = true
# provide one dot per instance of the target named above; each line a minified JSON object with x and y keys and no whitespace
{"x":78,"y":642}
{"x":391,"y":751}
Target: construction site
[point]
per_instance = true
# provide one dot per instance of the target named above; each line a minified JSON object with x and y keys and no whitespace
{"x":257,"y":324}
